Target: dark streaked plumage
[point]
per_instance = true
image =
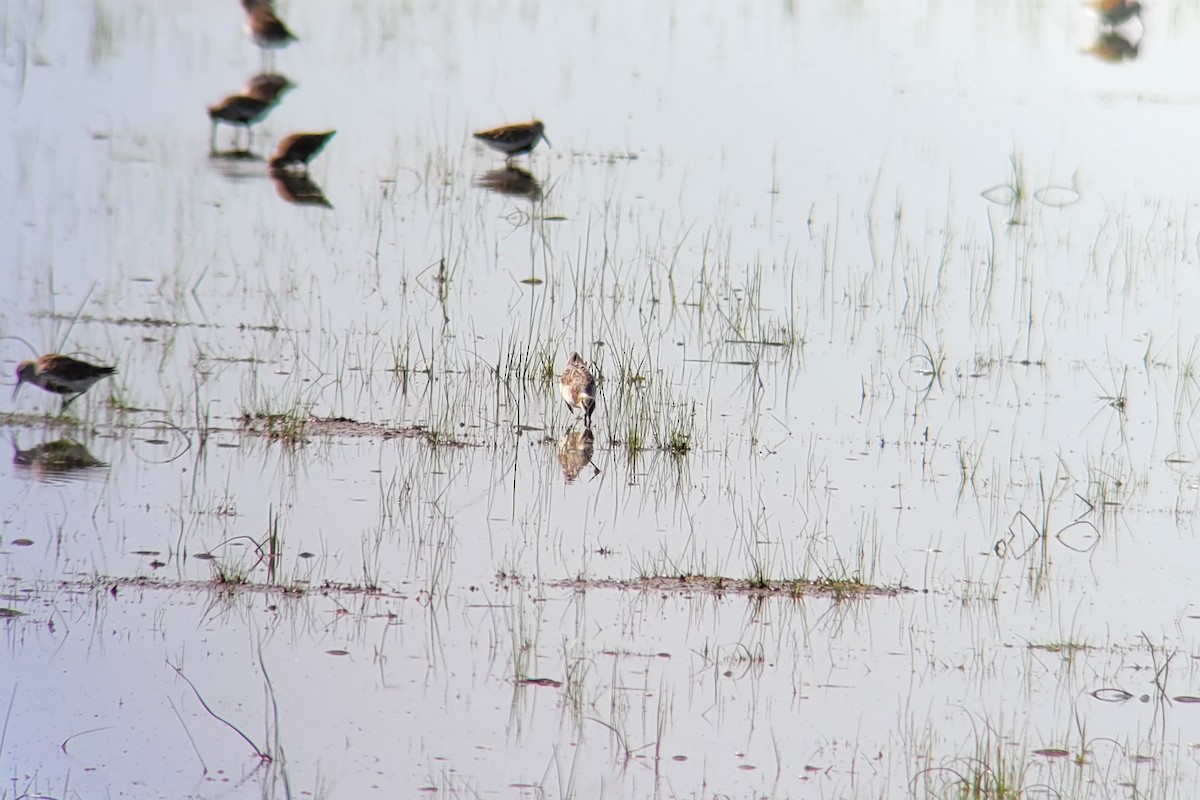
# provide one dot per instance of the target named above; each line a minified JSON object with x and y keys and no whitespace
{"x":514,"y":140}
{"x":295,"y":151}
{"x":578,"y":388}
{"x":60,"y":375}
{"x":237,"y":109}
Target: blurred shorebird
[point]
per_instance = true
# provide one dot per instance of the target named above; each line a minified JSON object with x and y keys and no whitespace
{"x":265,"y":28}
{"x":1114,"y":12}
{"x":237,"y":109}
{"x":295,"y":151}
{"x":61,"y":375}
{"x":514,"y":140}
{"x":269,"y":87}
{"x":578,"y":388}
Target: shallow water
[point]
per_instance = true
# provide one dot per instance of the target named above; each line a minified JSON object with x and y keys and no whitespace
{"x":906,"y":279}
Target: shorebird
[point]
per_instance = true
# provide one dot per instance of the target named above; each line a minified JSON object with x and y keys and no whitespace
{"x":237,"y":109}
{"x":295,"y":151}
{"x":514,"y":140}
{"x":264,"y":27}
{"x":1114,"y":12}
{"x":61,"y":375}
{"x":269,"y":87}
{"x":578,"y":388}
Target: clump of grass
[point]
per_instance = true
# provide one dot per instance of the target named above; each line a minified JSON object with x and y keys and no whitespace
{"x":994,"y":772}
{"x":678,"y":432}
{"x":281,"y":426}
{"x":647,"y":413}
{"x":229,"y":575}
{"x":118,"y":402}
{"x":532,"y":362}
{"x":1068,"y":648}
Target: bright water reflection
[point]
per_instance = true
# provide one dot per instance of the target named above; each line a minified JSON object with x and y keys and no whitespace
{"x":882,"y":291}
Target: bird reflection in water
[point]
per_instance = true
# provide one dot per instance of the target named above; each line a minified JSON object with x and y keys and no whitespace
{"x":60,"y":459}
{"x":512,"y":182}
{"x":1114,"y":47}
{"x":575,"y":452}
{"x":299,"y":189}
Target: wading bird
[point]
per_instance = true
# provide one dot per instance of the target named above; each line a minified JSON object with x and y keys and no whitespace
{"x":578,"y":388}
{"x":514,"y":140}
{"x":265,"y":28}
{"x":237,"y":109}
{"x":1114,"y":12}
{"x":61,"y":375}
{"x":295,"y":151}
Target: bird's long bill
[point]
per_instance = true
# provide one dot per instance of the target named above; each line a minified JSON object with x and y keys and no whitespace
{"x":17,"y":388}
{"x":546,"y":139}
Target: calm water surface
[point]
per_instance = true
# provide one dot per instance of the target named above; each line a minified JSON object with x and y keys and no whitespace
{"x":912,"y":280}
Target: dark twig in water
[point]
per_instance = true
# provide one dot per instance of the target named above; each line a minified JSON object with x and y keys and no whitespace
{"x":63,"y":746}
{"x":179,"y":716}
{"x":263,"y":755}
{"x":7,"y":714}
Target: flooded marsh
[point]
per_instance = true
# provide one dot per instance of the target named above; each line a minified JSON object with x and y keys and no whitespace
{"x":890,"y":483}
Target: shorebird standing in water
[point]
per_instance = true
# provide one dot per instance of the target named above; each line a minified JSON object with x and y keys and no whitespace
{"x":269,"y":87}
{"x":265,"y":28}
{"x":61,"y":375}
{"x":514,"y":140}
{"x":295,"y":151}
{"x":237,"y":109}
{"x":578,"y":388}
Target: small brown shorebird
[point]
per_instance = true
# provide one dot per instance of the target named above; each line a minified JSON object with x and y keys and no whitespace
{"x":295,"y":151}
{"x":578,"y":388}
{"x":269,"y":87}
{"x":1114,"y":12}
{"x":237,"y":109}
{"x":61,"y":375}
{"x":264,"y":27}
{"x":514,"y":140}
